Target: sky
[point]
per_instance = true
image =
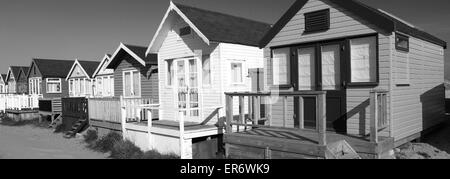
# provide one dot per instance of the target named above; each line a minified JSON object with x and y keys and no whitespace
{"x":88,"y":29}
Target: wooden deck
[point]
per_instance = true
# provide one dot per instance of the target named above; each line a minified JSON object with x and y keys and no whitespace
{"x":250,"y":136}
{"x":296,"y":143}
{"x":174,"y":125}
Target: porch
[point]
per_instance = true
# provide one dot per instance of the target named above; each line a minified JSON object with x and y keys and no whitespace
{"x":254,"y":135}
{"x":19,"y":107}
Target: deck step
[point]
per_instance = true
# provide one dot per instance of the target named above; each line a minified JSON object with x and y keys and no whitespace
{"x":77,"y":127}
{"x":55,"y":122}
{"x":341,"y":150}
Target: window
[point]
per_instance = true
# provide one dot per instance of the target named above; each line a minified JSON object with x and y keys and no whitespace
{"x":53,"y":85}
{"x":317,"y":21}
{"x":280,"y":66}
{"x":363,"y":60}
{"x":170,"y":72}
{"x":236,"y":73}
{"x":402,"y":42}
{"x":34,"y":85}
{"x":132,"y":84}
{"x":185,"y":31}
{"x":71,"y":87}
{"x":99,"y":86}
{"x":206,"y":70}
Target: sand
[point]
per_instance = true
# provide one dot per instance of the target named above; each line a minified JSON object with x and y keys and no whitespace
{"x":28,"y":142}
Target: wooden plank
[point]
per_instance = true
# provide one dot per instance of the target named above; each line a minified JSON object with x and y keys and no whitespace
{"x":321,"y":118}
{"x":285,"y":110}
{"x":241,"y":111}
{"x":257,"y":104}
{"x":229,"y":113}
{"x":373,"y":117}
{"x":302,"y":113}
{"x":269,"y":110}
{"x":279,"y":144}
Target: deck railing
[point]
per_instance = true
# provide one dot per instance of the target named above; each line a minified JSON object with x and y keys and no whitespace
{"x":254,"y":110}
{"x":19,"y":101}
{"x":105,"y":109}
{"x":378,"y":113}
{"x":112,"y":109}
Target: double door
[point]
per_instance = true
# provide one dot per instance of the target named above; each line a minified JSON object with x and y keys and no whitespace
{"x":321,"y":67}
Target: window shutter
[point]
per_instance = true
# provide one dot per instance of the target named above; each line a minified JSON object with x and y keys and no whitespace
{"x":317,"y":21}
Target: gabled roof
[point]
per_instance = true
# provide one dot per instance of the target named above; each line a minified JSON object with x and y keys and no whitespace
{"x":379,"y":18}
{"x":88,"y":67}
{"x":52,"y":68}
{"x":137,"y":52}
{"x":215,"y":27}
{"x":104,"y":62}
{"x":3,"y":78}
{"x":14,"y":70}
{"x":25,"y":71}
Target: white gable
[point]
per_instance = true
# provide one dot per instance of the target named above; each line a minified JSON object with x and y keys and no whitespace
{"x":342,"y":24}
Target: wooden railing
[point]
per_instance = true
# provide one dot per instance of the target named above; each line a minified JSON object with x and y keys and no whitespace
{"x":105,"y":109}
{"x":254,"y":110}
{"x":19,"y":102}
{"x":75,"y":107}
{"x":378,"y":113}
{"x":134,"y":109}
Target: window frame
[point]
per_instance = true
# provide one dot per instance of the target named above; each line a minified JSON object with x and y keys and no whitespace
{"x":242,"y":72}
{"x":289,"y":75}
{"x":209,"y":84}
{"x":401,"y":37}
{"x":131,"y":71}
{"x":58,"y":81}
{"x":168,"y":74}
{"x":377,"y":56}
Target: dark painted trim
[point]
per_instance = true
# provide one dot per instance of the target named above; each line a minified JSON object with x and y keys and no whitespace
{"x":282,"y":22}
{"x":372,"y":15}
{"x":402,"y":85}
{"x":377,"y":63}
{"x":403,"y":37}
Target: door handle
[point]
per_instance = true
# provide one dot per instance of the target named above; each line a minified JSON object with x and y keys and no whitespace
{"x":344,"y":84}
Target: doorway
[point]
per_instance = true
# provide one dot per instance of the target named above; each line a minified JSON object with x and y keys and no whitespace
{"x":321,"y":67}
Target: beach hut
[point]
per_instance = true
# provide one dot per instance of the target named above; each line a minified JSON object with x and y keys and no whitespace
{"x":80,"y":78}
{"x":17,"y":80}
{"x":104,"y":79}
{"x":3,"y":84}
{"x":201,"y":55}
{"x":46,"y":78}
{"x":348,"y":72}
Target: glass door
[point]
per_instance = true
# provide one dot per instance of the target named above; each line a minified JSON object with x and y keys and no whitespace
{"x":188,"y":100}
{"x":320,"y":67}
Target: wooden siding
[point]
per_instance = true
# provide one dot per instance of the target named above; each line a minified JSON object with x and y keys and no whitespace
{"x":34,"y":72}
{"x":22,"y":83}
{"x":343,"y":24}
{"x":212,"y":96}
{"x":64,"y":90}
{"x":420,"y":105}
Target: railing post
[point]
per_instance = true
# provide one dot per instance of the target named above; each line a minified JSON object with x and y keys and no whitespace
{"x":321,"y":119}
{"x":124,"y":117}
{"x":285,"y":110}
{"x":373,"y":117}
{"x":241,"y":111}
{"x":302,"y":113}
{"x":182,"y":144}
{"x":149,"y":128}
{"x":257,"y":103}
{"x":269,"y":110}
{"x":229,"y":113}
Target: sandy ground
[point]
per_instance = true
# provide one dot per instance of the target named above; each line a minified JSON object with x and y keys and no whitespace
{"x":435,"y":145}
{"x":27,"y":142}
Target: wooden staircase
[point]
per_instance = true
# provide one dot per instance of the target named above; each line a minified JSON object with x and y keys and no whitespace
{"x":56,"y":122}
{"x":77,"y":127}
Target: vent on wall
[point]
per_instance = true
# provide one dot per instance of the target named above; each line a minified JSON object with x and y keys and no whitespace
{"x":317,"y":21}
{"x":185,"y":31}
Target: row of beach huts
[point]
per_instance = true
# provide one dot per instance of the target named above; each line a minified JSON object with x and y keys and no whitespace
{"x":331,"y":77}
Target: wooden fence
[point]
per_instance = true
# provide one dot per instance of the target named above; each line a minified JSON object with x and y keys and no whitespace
{"x":19,"y":102}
